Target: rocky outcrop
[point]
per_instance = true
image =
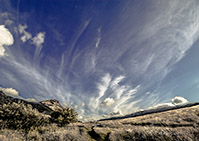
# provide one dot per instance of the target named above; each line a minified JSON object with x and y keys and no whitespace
{"x":52,"y":104}
{"x":4,"y":99}
{"x":46,"y":106}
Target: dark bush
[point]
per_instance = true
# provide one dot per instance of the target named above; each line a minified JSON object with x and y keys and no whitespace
{"x":64,"y":116}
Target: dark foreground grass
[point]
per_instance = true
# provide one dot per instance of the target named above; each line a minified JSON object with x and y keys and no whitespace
{"x":22,"y":116}
{"x":19,"y":121}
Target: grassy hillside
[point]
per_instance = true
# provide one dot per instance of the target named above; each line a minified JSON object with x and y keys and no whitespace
{"x":23,"y":122}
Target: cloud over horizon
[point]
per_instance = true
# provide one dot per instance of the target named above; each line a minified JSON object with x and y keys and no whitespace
{"x":108,"y":101}
{"x":10,"y":91}
{"x":179,"y":100}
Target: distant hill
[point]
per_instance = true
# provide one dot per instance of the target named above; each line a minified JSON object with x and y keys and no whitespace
{"x":152,"y":111}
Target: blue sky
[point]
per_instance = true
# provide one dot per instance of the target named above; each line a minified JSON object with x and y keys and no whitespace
{"x":100,"y":57}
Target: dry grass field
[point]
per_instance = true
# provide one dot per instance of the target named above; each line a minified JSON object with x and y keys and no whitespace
{"x":174,"y":125}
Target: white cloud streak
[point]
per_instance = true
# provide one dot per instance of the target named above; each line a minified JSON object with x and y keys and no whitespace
{"x":98,"y":38}
{"x":102,"y":87}
{"x":163,"y":105}
{"x":116,"y":101}
{"x":121,"y":102}
{"x":116,"y":81}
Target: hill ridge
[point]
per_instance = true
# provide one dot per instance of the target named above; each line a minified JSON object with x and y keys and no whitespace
{"x":152,"y":111}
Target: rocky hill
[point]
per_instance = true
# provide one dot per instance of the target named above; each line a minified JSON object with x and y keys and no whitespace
{"x":4,"y":99}
{"x":177,"y":124}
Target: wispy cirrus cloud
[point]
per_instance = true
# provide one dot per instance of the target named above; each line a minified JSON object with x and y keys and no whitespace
{"x":102,"y":87}
{"x":98,"y":38}
{"x":116,"y":81}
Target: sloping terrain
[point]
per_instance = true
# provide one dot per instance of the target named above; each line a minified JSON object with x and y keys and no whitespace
{"x":4,"y":99}
{"x":153,"y":111}
{"x":181,"y":124}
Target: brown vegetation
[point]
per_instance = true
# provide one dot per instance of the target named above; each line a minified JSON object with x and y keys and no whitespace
{"x":174,"y":125}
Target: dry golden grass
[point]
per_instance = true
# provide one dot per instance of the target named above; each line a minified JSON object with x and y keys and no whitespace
{"x":175,"y":125}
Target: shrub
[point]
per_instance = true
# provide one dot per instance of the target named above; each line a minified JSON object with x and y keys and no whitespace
{"x":64,"y":116}
{"x":21,"y":116}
